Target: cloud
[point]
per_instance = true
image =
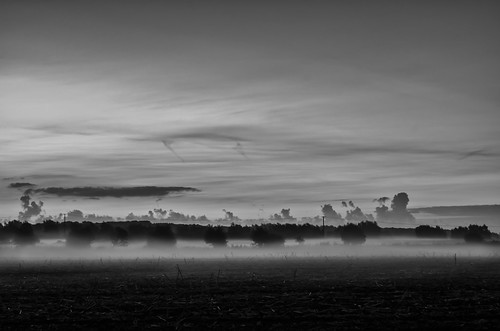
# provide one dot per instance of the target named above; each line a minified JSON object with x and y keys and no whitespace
{"x":399,"y":210}
{"x":115,"y":192}
{"x":20,"y":185}
{"x":358,"y":215}
{"x":382,"y":201}
{"x":329,"y":213}
{"x":476,"y":210}
{"x":29,"y":209}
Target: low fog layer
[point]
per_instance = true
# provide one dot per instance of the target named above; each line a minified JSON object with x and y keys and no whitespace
{"x":313,"y":248}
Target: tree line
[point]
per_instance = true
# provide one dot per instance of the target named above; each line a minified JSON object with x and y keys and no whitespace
{"x":82,"y":234}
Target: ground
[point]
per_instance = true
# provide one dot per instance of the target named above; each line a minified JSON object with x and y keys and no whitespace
{"x":252,"y":293}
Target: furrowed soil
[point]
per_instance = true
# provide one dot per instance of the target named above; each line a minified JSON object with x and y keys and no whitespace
{"x":252,"y":293}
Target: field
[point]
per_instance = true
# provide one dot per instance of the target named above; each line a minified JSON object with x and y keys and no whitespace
{"x":251,"y":293}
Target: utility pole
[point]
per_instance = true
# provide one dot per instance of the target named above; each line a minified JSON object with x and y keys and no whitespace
{"x":324,"y":234}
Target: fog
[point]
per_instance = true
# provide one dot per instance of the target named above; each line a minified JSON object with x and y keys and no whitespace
{"x":48,"y":250}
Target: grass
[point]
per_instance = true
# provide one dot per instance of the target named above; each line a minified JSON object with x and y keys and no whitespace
{"x":251,"y":293}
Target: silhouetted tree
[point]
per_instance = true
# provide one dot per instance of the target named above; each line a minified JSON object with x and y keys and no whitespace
{"x":106,"y":232}
{"x":427,"y":231}
{"x":458,"y":232}
{"x":161,"y":235}
{"x":51,"y":228}
{"x":120,"y":237}
{"x":262,"y":237}
{"x":138,"y":230}
{"x":370,"y":229}
{"x":80,"y":235}
{"x":24,"y":235}
{"x":352,"y":234}
{"x":215,"y":236}
{"x":477,"y":233}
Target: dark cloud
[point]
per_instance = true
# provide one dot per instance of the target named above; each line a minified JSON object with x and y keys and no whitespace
{"x":329,"y":213}
{"x":116,"y":192}
{"x":284,"y":216}
{"x":229,"y":216}
{"x":382,"y":201}
{"x":357,"y":215}
{"x":20,"y":185}
{"x":29,"y":209}
{"x":398,"y":212}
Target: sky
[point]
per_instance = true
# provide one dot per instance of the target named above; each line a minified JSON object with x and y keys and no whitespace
{"x":248,"y":106}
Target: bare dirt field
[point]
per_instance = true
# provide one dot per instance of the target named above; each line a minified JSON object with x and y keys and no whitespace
{"x":251,"y":293}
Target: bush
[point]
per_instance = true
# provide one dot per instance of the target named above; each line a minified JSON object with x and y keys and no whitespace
{"x":120,"y":237}
{"x":351,"y":234}
{"x":476,"y":233}
{"x":370,"y":229}
{"x":215,"y":236}
{"x":261,"y":237}
{"x":161,"y":235}
{"x":80,"y":236}
{"x":300,"y":240}
{"x":24,"y":235}
{"x":427,"y":231}
{"x":459,"y":232}
{"x":473,"y":237}
{"x":472,"y":234}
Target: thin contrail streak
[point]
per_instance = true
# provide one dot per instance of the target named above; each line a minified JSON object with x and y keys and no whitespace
{"x":239,"y":150}
{"x":167,"y":145}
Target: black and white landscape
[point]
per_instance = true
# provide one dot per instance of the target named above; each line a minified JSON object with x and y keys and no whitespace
{"x":249,"y":164}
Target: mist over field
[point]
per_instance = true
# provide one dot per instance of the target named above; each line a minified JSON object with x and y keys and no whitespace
{"x":249,"y":165}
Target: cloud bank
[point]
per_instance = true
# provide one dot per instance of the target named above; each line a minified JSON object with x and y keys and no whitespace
{"x":115,"y":192}
{"x":20,"y":185}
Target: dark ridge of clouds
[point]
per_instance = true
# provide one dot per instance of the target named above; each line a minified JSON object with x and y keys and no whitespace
{"x":115,"y":192}
{"x":20,"y":185}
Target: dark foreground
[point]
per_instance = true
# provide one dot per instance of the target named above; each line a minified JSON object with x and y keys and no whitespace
{"x":278,"y":293}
